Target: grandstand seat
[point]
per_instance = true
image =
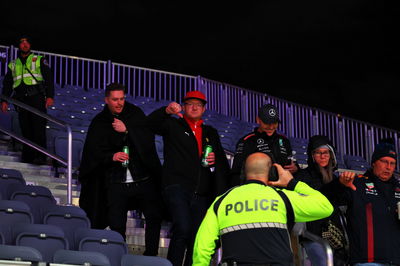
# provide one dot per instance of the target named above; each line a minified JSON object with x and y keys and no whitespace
{"x":76,"y":257}
{"x":354,"y":162}
{"x":6,"y":173}
{"x":83,"y":113}
{"x":132,"y":260}
{"x":7,"y":187}
{"x":72,"y":120}
{"x":340,"y":161}
{"x":12,"y":212}
{"x":107,"y":242}
{"x":79,"y":132}
{"x":358,"y":166}
{"x":301,"y":156}
{"x":44,"y":237}
{"x":20,"y":253}
{"x":68,"y":218}
{"x":141,"y":100}
{"x":6,"y":121}
{"x":39,"y":199}
{"x":61,"y":149}
{"x":228,"y":141}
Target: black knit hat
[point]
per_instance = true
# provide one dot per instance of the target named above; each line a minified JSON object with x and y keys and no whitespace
{"x":384,"y":148}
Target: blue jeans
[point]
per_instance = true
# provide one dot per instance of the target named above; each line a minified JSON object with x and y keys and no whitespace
{"x":187,"y":210}
{"x":315,"y":252}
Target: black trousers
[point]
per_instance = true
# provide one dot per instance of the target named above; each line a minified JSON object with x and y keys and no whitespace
{"x":33,"y":127}
{"x":144,"y":195}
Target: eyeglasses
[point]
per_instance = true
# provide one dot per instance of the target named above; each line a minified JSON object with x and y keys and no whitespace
{"x":194,"y":104}
{"x":391,"y":164}
{"x":320,"y":153}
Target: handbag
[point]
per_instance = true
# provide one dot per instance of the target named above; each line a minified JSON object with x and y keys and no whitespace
{"x":334,"y":235}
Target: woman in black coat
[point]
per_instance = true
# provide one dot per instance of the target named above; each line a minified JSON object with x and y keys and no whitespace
{"x":320,"y":171}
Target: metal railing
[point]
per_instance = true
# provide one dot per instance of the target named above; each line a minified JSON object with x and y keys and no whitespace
{"x":67,"y":163}
{"x":350,"y":136}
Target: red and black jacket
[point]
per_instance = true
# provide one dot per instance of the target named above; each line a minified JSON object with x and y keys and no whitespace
{"x":276,"y":145}
{"x":373,"y":224}
{"x":181,"y":155}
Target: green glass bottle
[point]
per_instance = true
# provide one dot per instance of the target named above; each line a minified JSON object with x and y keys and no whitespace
{"x":126,"y":150}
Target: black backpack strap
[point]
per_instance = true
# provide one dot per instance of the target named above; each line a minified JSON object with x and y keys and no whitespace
{"x":289,"y":209}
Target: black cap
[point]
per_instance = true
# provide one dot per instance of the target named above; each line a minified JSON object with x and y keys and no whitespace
{"x":24,"y":38}
{"x":268,"y":113}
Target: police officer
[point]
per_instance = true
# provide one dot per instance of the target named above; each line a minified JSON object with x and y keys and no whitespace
{"x":251,"y":220}
{"x":29,"y":79}
{"x":264,"y":139}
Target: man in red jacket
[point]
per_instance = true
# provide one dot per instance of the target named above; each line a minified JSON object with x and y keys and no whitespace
{"x":188,"y":187}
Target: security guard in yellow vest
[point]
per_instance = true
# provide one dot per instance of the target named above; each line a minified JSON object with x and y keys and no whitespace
{"x":251,"y":220}
{"x":29,"y":79}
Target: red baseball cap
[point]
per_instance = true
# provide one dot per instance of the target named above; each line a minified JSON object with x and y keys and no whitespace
{"x":195,"y":95}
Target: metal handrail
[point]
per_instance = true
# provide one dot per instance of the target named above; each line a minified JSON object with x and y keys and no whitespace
{"x":68,"y":163}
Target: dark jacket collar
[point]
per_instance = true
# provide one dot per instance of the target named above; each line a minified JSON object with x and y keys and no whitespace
{"x":253,"y":181}
{"x":264,"y":135}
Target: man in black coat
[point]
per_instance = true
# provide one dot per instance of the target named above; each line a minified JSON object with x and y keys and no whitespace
{"x":188,"y":187}
{"x":109,"y":189}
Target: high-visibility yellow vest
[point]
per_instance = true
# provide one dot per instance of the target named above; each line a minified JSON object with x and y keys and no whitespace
{"x":20,"y":73}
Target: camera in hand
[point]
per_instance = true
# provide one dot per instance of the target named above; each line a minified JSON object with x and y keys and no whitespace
{"x":273,"y":174}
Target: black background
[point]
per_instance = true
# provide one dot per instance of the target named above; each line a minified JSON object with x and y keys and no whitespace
{"x":341,"y":56}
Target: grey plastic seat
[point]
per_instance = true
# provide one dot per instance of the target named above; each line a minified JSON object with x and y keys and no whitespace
{"x":68,"y":218}
{"x":107,"y":242}
{"x":61,"y":148}
{"x":7,"y":187}
{"x":39,"y":199}
{"x":46,"y":238}
{"x":20,"y":253}
{"x":11,"y":213}
{"x":6,"y":173}
{"x":80,"y":257}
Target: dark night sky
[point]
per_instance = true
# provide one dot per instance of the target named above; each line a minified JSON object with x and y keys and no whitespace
{"x":341,"y":56}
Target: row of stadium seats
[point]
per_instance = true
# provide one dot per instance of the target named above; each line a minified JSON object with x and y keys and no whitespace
{"x":30,"y":217}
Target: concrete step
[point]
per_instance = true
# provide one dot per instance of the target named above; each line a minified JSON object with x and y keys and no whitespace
{"x":139,"y":249}
{"x":9,"y":158}
{"x":136,"y":237}
{"x":28,"y":169}
{"x":137,"y":230}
